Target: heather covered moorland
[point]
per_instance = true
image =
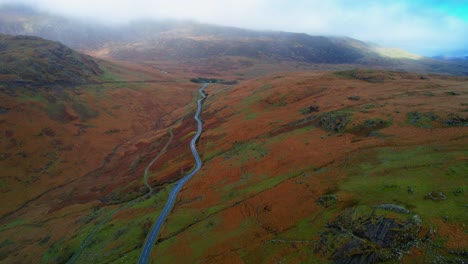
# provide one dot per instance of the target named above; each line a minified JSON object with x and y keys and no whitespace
{"x":314,"y":149}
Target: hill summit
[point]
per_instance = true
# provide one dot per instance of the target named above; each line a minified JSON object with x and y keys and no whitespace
{"x":33,"y":60}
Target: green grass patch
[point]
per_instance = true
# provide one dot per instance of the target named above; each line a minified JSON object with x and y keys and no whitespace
{"x":189,"y":135}
{"x":195,"y":232}
{"x":251,"y":116}
{"x":424,"y":120}
{"x":129,"y":257}
{"x":11,"y":225}
{"x":203,"y":245}
{"x":3,"y":186}
{"x":25,"y":95}
{"x":242,"y":152}
{"x":107,"y":111}
{"x":58,"y":112}
{"x":184,"y":217}
{"x":166,"y":256}
{"x":405,"y":178}
{"x":263,"y":88}
{"x":5,"y":243}
{"x":98,"y":91}
{"x":251,"y":184}
{"x":135,"y":163}
{"x":335,"y":121}
{"x":180,"y":219}
{"x":59,"y":252}
{"x":282,"y":102}
{"x":290,"y":134}
{"x":366,"y":108}
{"x":369,"y":126}
{"x":108,"y":76}
{"x":250,"y":100}
{"x":364,"y":75}
{"x":84,"y":111}
{"x":123,"y":234}
{"x":369,"y":106}
{"x":208,"y":155}
{"x":306,"y":230}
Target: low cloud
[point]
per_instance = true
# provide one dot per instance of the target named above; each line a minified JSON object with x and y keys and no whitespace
{"x":419,"y":28}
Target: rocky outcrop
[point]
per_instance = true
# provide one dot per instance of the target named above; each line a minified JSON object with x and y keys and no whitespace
{"x":357,"y":237}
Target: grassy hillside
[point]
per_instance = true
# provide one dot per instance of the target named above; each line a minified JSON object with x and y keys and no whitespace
{"x":306,"y":167}
{"x":26,"y":59}
{"x":311,"y":167}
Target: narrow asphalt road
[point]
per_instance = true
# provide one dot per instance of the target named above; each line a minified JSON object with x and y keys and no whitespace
{"x":151,"y":237}
{"x":86,"y":241}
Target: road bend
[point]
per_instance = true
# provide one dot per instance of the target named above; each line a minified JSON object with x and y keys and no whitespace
{"x":153,"y":234}
{"x":88,"y":238}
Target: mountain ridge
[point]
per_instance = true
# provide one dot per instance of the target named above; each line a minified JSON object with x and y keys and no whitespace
{"x":185,"y":41}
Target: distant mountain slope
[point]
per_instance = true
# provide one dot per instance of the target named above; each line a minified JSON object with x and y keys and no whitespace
{"x":22,"y":20}
{"x":183,"y":41}
{"x":264,"y":45}
{"x":35,"y":60}
{"x":179,"y":40}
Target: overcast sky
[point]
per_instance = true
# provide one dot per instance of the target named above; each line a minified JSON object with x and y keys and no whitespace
{"x":426,"y":27}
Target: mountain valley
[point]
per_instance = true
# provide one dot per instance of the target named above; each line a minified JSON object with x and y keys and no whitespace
{"x":314,"y":149}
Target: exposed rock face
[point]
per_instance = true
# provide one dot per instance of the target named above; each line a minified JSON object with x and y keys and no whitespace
{"x":335,"y":121}
{"x":355,"y":237}
{"x":327,"y":200}
{"x":455,"y":120}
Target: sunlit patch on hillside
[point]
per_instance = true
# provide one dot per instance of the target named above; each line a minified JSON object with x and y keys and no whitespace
{"x":396,"y":53}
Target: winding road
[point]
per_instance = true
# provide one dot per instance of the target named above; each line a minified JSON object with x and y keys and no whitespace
{"x":151,"y":237}
{"x":88,"y":238}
